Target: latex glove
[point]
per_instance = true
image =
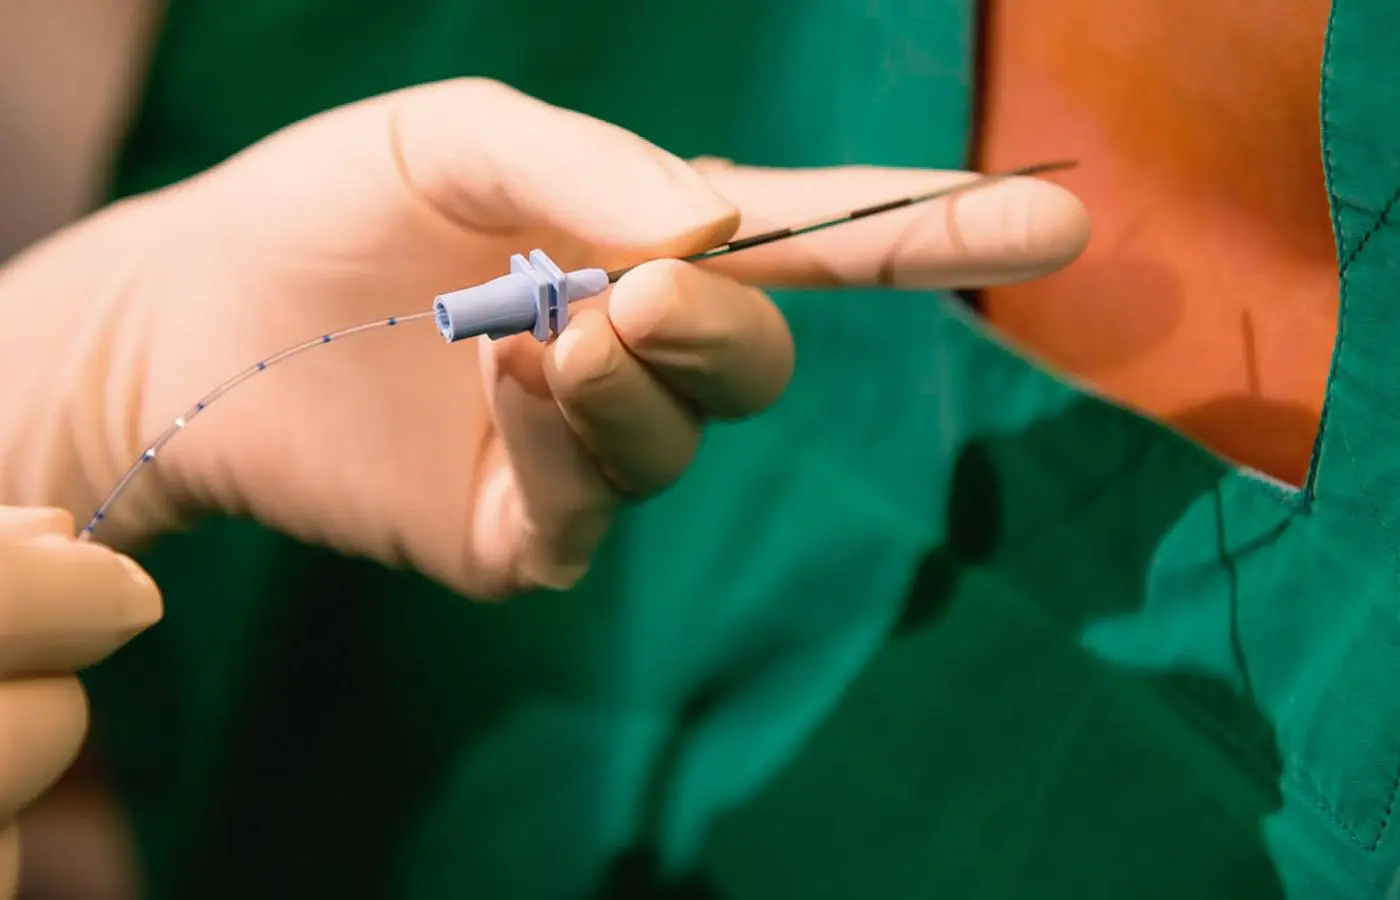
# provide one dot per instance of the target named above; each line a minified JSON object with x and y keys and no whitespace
{"x":490,"y":466}
{"x":63,"y":606}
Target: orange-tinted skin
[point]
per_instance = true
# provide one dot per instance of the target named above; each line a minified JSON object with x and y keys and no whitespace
{"x":1208,"y":295}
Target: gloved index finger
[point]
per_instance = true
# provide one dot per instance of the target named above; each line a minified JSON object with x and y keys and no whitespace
{"x":66,"y":605}
{"x":1006,"y":231}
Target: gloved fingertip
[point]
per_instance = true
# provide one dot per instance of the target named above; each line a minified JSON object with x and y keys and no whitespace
{"x":553,"y":575}
{"x":1059,"y":223}
{"x":559,"y":560}
{"x":144,"y":608}
{"x":1025,"y":226}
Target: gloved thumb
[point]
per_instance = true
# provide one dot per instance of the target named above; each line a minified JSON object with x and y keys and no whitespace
{"x":498,"y":162}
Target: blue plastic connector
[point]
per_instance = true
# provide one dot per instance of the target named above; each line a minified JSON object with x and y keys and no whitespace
{"x":533,"y":298}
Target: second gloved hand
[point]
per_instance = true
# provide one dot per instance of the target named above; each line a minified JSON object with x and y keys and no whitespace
{"x":63,"y":607}
{"x":491,"y":466}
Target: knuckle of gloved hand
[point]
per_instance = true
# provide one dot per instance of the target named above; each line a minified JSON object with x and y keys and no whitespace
{"x":483,"y":92}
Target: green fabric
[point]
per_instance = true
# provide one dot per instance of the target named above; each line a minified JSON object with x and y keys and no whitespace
{"x":940,"y":626}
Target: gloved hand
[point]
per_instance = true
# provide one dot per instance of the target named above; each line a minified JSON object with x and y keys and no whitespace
{"x":492,"y":467}
{"x":63,"y":606}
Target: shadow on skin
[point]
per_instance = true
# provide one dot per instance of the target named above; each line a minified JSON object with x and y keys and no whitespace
{"x":1123,"y":306}
{"x":1276,"y":436}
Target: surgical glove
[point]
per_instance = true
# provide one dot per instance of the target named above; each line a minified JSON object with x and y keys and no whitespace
{"x":64,"y":605}
{"x":490,"y":466}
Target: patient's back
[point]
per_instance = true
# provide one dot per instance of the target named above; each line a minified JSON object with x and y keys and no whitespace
{"x":1208,"y":295}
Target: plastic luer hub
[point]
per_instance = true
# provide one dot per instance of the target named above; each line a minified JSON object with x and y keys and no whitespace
{"x":533,"y":298}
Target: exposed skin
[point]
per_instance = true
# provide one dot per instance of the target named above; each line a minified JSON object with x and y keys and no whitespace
{"x":1208,"y":295}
